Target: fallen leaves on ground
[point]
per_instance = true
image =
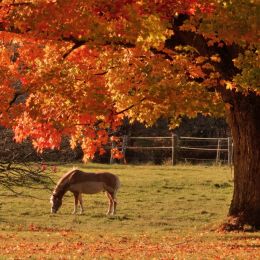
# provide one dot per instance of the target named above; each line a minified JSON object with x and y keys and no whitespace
{"x":66,"y":244}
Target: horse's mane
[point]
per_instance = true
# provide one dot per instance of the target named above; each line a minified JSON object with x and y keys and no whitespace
{"x":62,"y":181}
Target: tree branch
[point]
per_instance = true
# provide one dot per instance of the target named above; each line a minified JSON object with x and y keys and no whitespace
{"x":80,"y":42}
{"x":187,"y":38}
{"x":77,"y":44}
{"x":130,"y":107}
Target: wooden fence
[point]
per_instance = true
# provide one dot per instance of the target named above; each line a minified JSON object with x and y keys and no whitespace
{"x":182,"y":148}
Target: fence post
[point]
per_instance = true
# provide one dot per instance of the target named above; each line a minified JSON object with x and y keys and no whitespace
{"x":218,"y":152}
{"x":174,"y":150}
{"x":112,"y":160}
{"x":230,"y":151}
{"x":124,"y":146}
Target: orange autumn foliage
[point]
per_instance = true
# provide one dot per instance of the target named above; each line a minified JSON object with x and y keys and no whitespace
{"x":75,"y":68}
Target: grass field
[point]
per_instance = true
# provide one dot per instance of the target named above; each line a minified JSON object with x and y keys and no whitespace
{"x":164,"y":212}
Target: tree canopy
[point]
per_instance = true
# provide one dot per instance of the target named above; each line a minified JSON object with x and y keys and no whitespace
{"x":75,"y":68}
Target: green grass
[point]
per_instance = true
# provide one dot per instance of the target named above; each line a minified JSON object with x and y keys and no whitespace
{"x":163,"y":212}
{"x":152,"y":199}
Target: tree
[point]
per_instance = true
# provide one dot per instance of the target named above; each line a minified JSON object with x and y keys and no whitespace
{"x":16,"y":170}
{"x":83,"y":65}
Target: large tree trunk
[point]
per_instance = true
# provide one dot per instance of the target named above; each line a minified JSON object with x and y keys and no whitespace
{"x":243,"y":113}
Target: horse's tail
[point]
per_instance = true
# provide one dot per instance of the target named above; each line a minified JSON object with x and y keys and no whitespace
{"x":114,"y":186}
{"x":118,"y":183}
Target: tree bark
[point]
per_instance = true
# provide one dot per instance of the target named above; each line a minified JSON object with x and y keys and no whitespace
{"x":243,"y":114}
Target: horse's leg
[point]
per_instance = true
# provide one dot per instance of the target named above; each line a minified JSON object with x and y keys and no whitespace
{"x":115,"y":202}
{"x":81,"y":203}
{"x":76,"y":200}
{"x":111,"y":204}
{"x":113,"y":196}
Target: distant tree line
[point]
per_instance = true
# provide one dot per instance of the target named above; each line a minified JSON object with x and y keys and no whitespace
{"x":200,"y":127}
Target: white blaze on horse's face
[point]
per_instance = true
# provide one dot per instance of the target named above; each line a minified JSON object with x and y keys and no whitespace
{"x":55,"y":203}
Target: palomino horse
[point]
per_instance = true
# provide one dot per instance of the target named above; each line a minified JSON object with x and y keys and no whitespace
{"x":79,"y":182}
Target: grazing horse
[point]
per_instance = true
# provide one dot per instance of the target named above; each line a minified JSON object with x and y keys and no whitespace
{"x":79,"y":182}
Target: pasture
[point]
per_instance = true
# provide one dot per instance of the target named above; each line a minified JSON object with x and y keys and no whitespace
{"x":164,"y":212}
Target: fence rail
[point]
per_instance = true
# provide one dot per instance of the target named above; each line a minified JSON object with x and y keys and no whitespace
{"x":203,"y":138}
{"x":201,"y":149}
{"x":178,"y":145}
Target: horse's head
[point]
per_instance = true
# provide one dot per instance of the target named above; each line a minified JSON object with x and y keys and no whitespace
{"x":56,"y":203}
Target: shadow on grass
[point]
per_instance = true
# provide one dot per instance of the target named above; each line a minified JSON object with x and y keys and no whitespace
{"x":118,"y":217}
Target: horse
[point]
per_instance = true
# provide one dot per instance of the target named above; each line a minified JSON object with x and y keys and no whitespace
{"x":79,"y":182}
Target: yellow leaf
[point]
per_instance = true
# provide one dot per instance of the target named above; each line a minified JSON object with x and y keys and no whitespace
{"x":200,"y":59}
{"x":215,"y":58}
